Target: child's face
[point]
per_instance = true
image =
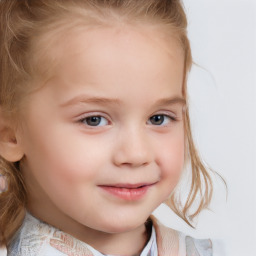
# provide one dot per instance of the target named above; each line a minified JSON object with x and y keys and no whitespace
{"x":103,"y":140}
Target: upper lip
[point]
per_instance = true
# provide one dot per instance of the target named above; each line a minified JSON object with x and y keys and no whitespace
{"x":129,"y":185}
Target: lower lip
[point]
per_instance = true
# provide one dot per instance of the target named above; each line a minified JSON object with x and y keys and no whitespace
{"x":129,"y":194}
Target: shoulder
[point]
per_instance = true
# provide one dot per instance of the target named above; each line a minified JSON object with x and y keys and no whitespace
{"x":30,"y":238}
{"x":173,"y":242}
{"x":38,"y":238}
{"x":197,"y":247}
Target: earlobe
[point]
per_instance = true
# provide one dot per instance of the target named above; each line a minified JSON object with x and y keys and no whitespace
{"x":10,"y":149}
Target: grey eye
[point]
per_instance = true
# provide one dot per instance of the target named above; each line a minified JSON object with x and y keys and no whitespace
{"x":95,"y":121}
{"x":157,"y":119}
{"x":161,"y":120}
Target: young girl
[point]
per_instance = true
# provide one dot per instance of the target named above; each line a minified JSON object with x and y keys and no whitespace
{"x":94,"y":128}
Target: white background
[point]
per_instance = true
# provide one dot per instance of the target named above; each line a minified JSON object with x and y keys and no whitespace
{"x":223,"y":112}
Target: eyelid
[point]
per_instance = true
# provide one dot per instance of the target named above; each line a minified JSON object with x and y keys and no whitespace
{"x":168,"y":113}
{"x":92,"y":113}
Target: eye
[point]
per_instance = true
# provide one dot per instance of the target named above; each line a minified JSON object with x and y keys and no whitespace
{"x":160,"y":119}
{"x":95,"y":121}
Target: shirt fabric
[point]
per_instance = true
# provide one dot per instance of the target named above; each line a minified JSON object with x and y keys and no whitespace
{"x":36,"y":238}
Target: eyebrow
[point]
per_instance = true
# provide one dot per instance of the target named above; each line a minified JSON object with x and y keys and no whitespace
{"x":171,"y":101}
{"x":87,"y":99}
{"x":113,"y":101}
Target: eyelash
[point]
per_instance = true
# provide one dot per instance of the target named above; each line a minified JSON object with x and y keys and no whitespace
{"x":107,"y":122}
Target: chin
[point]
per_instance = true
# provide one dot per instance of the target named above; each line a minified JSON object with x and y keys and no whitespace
{"x":124,"y":224}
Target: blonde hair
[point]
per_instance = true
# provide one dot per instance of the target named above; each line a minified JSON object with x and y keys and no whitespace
{"x":24,"y":23}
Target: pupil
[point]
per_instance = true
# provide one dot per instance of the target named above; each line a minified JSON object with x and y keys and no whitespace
{"x":93,"y":120}
{"x":159,"y":119}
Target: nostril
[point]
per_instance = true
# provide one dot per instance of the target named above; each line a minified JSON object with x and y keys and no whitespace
{"x":132,"y":150}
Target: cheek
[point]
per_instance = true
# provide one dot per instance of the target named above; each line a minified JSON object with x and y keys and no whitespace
{"x":61,"y":162}
{"x":172,"y":158}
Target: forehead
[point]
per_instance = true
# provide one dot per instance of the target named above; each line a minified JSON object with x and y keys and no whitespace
{"x":157,"y":37}
{"x":100,"y":47}
{"x":116,"y":55}
{"x":145,"y":39}
{"x":53,"y":45}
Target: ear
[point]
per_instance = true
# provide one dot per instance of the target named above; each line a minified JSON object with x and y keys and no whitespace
{"x":10,"y":149}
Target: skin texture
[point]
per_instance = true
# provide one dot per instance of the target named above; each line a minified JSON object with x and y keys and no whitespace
{"x":126,"y":77}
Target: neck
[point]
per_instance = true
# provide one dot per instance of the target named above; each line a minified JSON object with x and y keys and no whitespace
{"x":120,"y":244}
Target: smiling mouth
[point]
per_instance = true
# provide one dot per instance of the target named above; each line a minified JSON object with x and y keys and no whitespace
{"x":129,"y":192}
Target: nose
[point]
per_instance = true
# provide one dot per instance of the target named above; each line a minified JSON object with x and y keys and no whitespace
{"x":132,"y":148}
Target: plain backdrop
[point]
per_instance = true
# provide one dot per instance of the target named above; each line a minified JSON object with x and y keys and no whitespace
{"x":223,"y":112}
